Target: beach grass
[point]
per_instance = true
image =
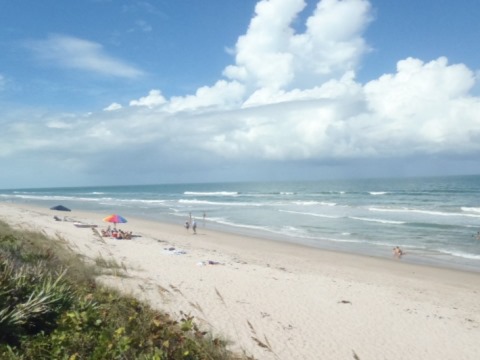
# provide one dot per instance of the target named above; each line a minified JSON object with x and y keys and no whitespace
{"x":51,"y":307}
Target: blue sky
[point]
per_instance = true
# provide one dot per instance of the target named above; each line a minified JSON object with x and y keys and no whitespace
{"x":98,"y":92}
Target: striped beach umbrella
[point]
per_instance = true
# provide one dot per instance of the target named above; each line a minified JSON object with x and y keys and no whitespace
{"x":115,"y":219}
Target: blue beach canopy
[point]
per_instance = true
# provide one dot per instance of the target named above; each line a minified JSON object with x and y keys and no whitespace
{"x":60,"y":208}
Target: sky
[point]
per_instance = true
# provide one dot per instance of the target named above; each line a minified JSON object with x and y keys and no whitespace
{"x":104,"y":92}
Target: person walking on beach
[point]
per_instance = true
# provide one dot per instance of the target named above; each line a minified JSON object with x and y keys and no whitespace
{"x":187,"y":225}
{"x":194,"y":226}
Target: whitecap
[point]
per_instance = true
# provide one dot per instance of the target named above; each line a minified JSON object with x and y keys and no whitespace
{"x":471,"y":209}
{"x":460,"y":254}
{"x":213,"y":193}
{"x":426,"y":212}
{"x":311,"y":214}
{"x":205,"y":202}
{"x":377,"y":220}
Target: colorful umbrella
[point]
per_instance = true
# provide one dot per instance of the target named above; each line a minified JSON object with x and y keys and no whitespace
{"x":116,"y":219}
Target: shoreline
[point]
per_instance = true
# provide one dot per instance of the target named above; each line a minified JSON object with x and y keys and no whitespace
{"x":367,"y":218}
{"x":412,"y":258}
{"x":427,"y":258}
{"x":300,"y":302}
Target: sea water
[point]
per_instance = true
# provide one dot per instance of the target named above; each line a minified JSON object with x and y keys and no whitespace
{"x":434,"y":220}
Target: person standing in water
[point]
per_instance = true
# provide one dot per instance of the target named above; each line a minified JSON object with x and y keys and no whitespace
{"x":397,"y":252}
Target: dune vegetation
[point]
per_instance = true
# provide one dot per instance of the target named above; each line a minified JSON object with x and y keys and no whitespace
{"x":51,"y":307}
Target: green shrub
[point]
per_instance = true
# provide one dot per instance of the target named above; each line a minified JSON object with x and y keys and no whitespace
{"x":51,"y":308}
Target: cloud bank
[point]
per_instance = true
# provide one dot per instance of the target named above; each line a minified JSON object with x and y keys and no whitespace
{"x":287,"y":98}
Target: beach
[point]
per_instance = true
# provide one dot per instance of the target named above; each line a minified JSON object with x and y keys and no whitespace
{"x":277,"y":300}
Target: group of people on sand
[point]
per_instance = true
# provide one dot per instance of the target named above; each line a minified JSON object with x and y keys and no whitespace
{"x":117,"y":233}
{"x":194,"y":225}
{"x":191,"y":221}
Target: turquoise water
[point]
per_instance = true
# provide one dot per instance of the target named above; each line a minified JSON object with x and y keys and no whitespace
{"x":435,"y":220}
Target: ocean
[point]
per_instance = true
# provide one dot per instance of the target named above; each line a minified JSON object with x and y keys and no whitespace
{"x":435,"y":220}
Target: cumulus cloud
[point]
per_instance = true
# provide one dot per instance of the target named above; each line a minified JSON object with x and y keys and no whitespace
{"x":153,"y":99}
{"x":223,"y":95}
{"x":75,"y":53}
{"x":426,"y":106}
{"x":416,"y":85}
{"x":272,"y":55}
{"x":268,"y":108}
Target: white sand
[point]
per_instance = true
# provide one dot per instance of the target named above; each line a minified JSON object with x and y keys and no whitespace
{"x":300,"y":303}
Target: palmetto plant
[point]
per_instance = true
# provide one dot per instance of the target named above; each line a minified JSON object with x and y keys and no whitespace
{"x":31,"y":298}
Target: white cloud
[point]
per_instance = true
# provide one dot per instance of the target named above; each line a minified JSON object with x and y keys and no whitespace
{"x":272,"y":55}
{"x":333,"y":42}
{"x":426,"y":107}
{"x":423,"y":108}
{"x":113,"y":106}
{"x":153,"y":99}
{"x":332,"y":89}
{"x":262,"y":56}
{"x":417,"y":86}
{"x":222,"y":95}
{"x":416,"y":110}
{"x":75,"y":53}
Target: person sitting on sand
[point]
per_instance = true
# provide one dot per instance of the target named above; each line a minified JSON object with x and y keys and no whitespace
{"x":108,"y":232}
{"x":397,"y":252}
